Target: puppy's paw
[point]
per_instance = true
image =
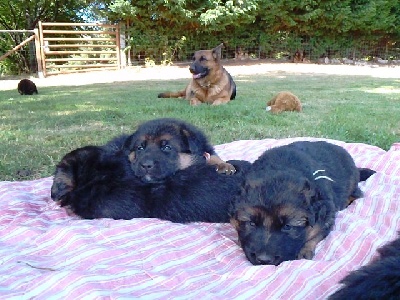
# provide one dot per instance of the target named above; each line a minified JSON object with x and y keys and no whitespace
{"x":306,"y":253}
{"x":225,"y":168}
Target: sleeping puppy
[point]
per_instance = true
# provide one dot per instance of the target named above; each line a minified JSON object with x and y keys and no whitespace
{"x":27,"y":87}
{"x":159,"y":171}
{"x":289,"y":200}
{"x":95,"y":182}
{"x":378,"y":280}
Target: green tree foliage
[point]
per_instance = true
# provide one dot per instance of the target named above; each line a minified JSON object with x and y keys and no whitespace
{"x":25,"y":15}
{"x":329,"y":19}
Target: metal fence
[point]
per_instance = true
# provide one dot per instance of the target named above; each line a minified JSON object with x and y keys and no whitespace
{"x":362,"y":52}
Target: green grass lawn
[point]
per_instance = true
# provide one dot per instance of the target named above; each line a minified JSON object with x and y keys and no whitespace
{"x":36,"y":131}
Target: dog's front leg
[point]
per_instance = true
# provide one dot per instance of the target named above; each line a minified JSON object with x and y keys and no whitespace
{"x":313,"y":236}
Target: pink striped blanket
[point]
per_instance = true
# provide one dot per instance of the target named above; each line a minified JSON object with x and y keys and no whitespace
{"x":47,"y":254}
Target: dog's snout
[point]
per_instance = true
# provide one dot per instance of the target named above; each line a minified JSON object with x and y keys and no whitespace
{"x":267,"y":259}
{"x":147,"y":165}
{"x":192,"y":68}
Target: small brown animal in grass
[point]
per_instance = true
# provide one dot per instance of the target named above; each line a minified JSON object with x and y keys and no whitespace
{"x":284,"y":101}
{"x":290,"y":199}
{"x":210,"y":82}
{"x":27,"y":87}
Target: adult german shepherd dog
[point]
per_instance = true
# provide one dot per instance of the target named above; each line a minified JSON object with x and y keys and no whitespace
{"x":290,"y":198}
{"x":210,"y":83}
{"x":160,"y":171}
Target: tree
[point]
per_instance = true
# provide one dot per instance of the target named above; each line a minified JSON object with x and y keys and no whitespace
{"x":19,"y":15}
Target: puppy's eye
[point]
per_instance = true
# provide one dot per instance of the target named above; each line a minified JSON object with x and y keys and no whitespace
{"x":166,"y":148}
{"x":203,"y":58}
{"x":252,"y":224}
{"x":287,"y":227}
{"x":139,"y":148}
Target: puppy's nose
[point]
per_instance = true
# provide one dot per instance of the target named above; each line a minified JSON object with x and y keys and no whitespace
{"x":265,"y":259}
{"x":147,"y":165}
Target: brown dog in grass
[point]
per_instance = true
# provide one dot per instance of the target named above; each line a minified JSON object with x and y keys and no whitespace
{"x":284,"y":101}
{"x":210,"y":83}
{"x":290,"y":199}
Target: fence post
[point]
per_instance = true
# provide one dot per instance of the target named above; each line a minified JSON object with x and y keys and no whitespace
{"x":118,"y":43}
{"x":41,"y":44}
{"x":38,"y":53}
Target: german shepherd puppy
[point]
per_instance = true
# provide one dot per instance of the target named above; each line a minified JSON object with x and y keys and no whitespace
{"x":27,"y":87}
{"x":210,"y":83}
{"x":160,"y":171}
{"x":378,"y":280}
{"x":290,"y":198}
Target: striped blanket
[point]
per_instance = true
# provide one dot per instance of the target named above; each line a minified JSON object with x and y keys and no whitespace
{"x":47,"y":254}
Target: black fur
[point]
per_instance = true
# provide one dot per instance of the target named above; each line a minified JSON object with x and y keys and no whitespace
{"x":159,"y":171}
{"x":378,"y":280}
{"x":290,"y":198}
{"x":27,"y":87}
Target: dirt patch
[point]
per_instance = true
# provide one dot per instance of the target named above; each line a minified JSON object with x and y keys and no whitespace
{"x":236,"y":68}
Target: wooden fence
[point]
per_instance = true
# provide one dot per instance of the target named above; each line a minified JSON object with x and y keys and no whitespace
{"x":74,"y":47}
{"x":33,"y":37}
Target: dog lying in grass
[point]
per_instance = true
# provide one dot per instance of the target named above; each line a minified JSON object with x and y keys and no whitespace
{"x":160,"y":171}
{"x":378,"y":280}
{"x":27,"y":87}
{"x":210,"y":82}
{"x":290,"y":198}
{"x":284,"y":101}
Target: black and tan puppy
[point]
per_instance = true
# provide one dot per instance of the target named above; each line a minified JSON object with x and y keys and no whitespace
{"x":290,"y":198}
{"x":188,"y":139}
{"x":95,"y":182}
{"x":27,"y":87}
{"x":159,"y":171}
{"x":210,"y":82}
{"x":378,"y":280}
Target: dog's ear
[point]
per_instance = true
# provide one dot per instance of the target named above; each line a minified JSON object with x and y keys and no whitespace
{"x":217,"y":52}
{"x":191,"y":141}
{"x":309,"y":195}
{"x":309,"y":191}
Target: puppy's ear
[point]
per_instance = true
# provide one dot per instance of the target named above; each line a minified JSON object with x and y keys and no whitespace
{"x":309,"y":192}
{"x":128,"y":142}
{"x":191,"y":141}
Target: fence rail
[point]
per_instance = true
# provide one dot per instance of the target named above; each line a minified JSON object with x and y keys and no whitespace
{"x":79,"y":55}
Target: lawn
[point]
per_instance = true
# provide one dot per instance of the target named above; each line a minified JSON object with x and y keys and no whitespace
{"x":36,"y":131}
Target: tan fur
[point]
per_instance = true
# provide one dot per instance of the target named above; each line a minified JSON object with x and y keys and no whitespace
{"x":216,"y":88}
{"x":314,"y":236}
{"x":284,"y":101}
{"x":221,"y":166}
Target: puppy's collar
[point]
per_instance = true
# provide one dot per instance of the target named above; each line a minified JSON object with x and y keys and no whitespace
{"x":321,"y":176}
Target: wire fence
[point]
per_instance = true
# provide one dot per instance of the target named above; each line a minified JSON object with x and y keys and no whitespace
{"x":363,"y":52}
{"x":164,"y":51}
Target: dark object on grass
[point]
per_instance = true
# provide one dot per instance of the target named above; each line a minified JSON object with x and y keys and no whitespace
{"x":27,"y":87}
